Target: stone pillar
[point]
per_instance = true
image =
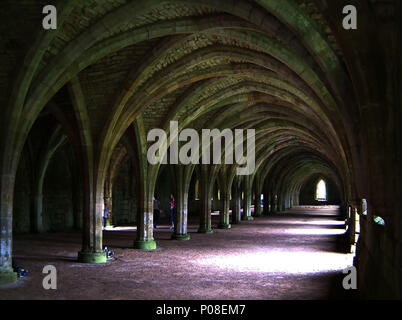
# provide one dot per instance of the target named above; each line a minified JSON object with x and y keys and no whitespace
{"x":205,"y":212}
{"x":181,"y":206}
{"x":275,"y":200}
{"x":7,"y":275}
{"x":236,"y":214}
{"x":92,"y":183}
{"x":280,"y":203}
{"x":247,"y":200}
{"x":257,"y":205}
{"x":350,"y":219}
{"x":180,"y":226}
{"x":224,"y":214}
{"x":267,"y":203}
{"x":353,"y":224}
{"x":145,"y":227}
{"x":92,"y":251}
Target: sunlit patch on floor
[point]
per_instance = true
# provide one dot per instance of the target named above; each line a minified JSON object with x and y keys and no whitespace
{"x":320,"y":222}
{"x":315,"y":231}
{"x":128,"y":228}
{"x":291,"y":262}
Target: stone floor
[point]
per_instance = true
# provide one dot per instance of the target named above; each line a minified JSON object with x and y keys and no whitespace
{"x":292,"y":255}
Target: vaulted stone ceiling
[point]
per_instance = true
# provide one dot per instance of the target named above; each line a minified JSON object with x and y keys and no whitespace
{"x":207,"y":64}
{"x":285,"y":68}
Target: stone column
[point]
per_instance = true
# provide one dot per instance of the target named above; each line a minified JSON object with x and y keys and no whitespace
{"x":257,"y":205}
{"x":7,"y":275}
{"x":353,"y":227}
{"x":205,"y":201}
{"x":180,"y":226}
{"x":280,"y":203}
{"x":274,"y":203}
{"x":181,"y":206}
{"x":267,"y":203}
{"x":236,"y":214}
{"x":224,"y":214}
{"x":145,"y":236}
{"x":247,"y":200}
{"x":92,"y":251}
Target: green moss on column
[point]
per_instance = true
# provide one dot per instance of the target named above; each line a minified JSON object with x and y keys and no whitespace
{"x":145,"y":244}
{"x":205,"y":229}
{"x":224,"y":215}
{"x":92,"y":257}
{"x":7,"y":276}
{"x":180,"y":237}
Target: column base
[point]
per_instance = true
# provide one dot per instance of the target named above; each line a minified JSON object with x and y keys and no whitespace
{"x":224,"y":226}
{"x":180,"y":237}
{"x":248,"y":218}
{"x":7,"y":277}
{"x":145,"y":244}
{"x":205,"y":231}
{"x":92,"y":257}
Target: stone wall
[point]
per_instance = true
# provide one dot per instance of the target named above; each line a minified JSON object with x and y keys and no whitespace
{"x":378,"y":262}
{"x":22,"y":197}
{"x":58,"y":208}
{"x":125,"y":198}
{"x":308,"y":193}
{"x":163,"y":189}
{"x":59,"y":211}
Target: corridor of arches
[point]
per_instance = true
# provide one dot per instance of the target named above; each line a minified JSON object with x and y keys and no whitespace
{"x":77,"y":105}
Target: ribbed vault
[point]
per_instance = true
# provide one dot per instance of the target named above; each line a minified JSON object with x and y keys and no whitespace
{"x":279,"y":67}
{"x":209,"y":64}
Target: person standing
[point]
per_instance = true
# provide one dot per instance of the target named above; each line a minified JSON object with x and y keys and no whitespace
{"x":172,"y":210}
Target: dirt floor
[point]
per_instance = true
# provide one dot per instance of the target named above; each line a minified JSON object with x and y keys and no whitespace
{"x":293,"y":255}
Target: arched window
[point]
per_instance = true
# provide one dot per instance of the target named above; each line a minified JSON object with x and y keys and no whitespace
{"x":321,"y":191}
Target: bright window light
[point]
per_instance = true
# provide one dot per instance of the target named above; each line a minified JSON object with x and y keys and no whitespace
{"x":321,"y":192}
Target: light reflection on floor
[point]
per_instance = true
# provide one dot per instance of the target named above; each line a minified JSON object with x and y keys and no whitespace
{"x":312,"y":231}
{"x":311,"y":222}
{"x":293,"y":260}
{"x":288,"y":262}
{"x":121,"y":228}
